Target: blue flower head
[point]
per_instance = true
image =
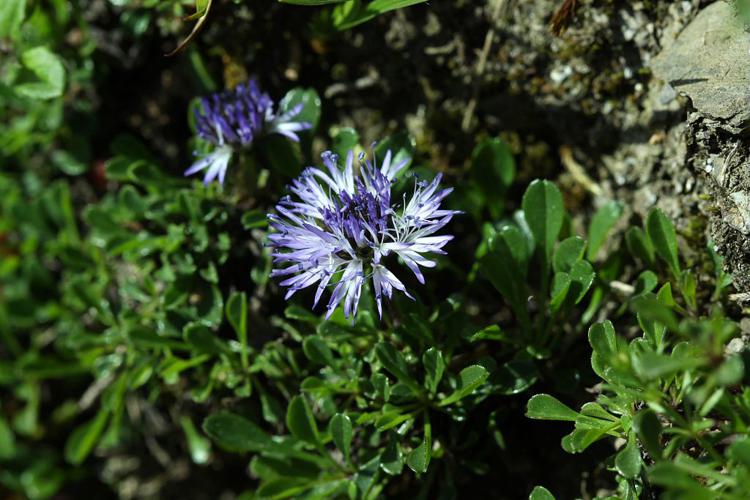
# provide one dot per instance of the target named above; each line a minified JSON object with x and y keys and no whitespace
{"x":339,"y":224}
{"x":234,"y":119}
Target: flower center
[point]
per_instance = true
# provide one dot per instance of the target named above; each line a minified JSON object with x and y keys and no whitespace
{"x":362,"y":217}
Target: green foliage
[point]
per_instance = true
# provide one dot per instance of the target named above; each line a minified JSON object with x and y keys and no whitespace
{"x":350,"y":13}
{"x":11,"y":17}
{"x":601,"y":225}
{"x":743,"y":10}
{"x":493,"y":170}
{"x":525,"y":257}
{"x":669,"y":394}
{"x":47,"y":69}
{"x":141,"y":336}
{"x":541,"y":493}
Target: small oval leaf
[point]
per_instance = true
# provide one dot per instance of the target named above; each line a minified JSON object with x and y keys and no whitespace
{"x":545,"y":407}
{"x":469,"y":379}
{"x":662,"y":234}
{"x":301,"y":422}
{"x":340,"y":428}
{"x":628,"y":460}
{"x":601,"y":224}
{"x":543,"y":210}
{"x":235,"y":433}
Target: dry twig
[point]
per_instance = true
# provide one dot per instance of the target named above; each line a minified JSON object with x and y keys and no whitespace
{"x":563,"y":17}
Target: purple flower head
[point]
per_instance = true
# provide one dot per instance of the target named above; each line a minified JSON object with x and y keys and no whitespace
{"x":233,"y":119}
{"x":339,"y":224}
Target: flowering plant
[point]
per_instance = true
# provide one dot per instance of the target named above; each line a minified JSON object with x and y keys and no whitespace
{"x":232,"y":120}
{"x":342,"y":224}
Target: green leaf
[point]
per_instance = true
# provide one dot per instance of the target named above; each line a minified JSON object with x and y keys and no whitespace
{"x":664,"y":297}
{"x":392,"y":459}
{"x":282,"y":155}
{"x":273,"y":413}
{"x":345,"y":140}
{"x":268,"y":467}
{"x":520,"y":243}
{"x":514,"y":377}
{"x":601,"y":224}
{"x":596,"y":411}
{"x":199,"y":446}
{"x":603,"y":339}
{"x":739,"y":451}
{"x":508,"y":245}
{"x":284,"y":487}
{"x":493,"y":170}
{"x":318,"y":351}
{"x":541,"y":493}
{"x":646,"y":282}
{"x":560,"y":287}
{"x":352,"y":13}
{"x":662,"y":234}
{"x":723,"y":279}
{"x":146,"y":338}
{"x":492,"y":332}
{"x":582,"y":277}
{"x":310,"y":101}
{"x":202,"y":8}
{"x":585,"y":420}
{"x":11,"y":17}
{"x":731,"y":371}
{"x":653,"y":309}
{"x":380,"y":383}
{"x":68,"y":163}
{"x":235,"y":433}
{"x":568,"y":252}
{"x":340,"y":428}
{"x":254,"y":219}
{"x":419,"y":458}
{"x":364,"y":478}
{"x":628,"y":460}
{"x":504,"y":265}
{"x":698,"y":468}
{"x":40,"y":480}
{"x":301,"y":422}
{"x":545,"y":407}
{"x":743,"y":11}
{"x":298,"y":313}
{"x":650,"y":365}
{"x":640,"y":245}
{"x":203,"y":339}
{"x":391,"y":420}
{"x":84,"y":438}
{"x":381,"y":6}
{"x":434,"y":367}
{"x":648,"y":427}
{"x":311,"y":2}
{"x":236,"y":312}
{"x":689,"y":289}
{"x":314,"y":384}
{"x":7,"y":440}
{"x":543,"y":210}
{"x":48,"y":68}
{"x":401,"y":145}
{"x":469,"y":379}
{"x":580,"y":439}
{"x":670,"y":475}
{"x":393,"y":361}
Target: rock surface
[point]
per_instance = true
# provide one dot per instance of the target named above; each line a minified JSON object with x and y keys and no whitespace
{"x":709,"y":63}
